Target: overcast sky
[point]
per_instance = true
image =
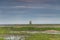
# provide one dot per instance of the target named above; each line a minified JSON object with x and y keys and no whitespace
{"x":22,"y":11}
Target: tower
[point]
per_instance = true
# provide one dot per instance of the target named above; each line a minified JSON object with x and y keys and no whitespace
{"x":30,"y":22}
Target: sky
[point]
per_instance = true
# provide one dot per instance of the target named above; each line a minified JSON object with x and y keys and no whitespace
{"x":22,"y":11}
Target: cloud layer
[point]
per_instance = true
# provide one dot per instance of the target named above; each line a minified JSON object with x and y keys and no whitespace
{"x":21,"y":11}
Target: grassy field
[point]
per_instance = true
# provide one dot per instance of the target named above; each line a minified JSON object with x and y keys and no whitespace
{"x":44,"y":37}
{"x":34,"y":29}
{"x":1,"y":38}
{"x":27,"y":28}
{"x":5,"y":30}
{"x":39,"y":36}
{"x":35,"y":36}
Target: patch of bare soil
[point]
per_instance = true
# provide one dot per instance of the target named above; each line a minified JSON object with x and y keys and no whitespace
{"x":51,"y":32}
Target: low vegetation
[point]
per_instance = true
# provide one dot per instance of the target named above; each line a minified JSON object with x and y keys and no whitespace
{"x":33,"y":29}
{"x":44,"y":37}
{"x":35,"y":36}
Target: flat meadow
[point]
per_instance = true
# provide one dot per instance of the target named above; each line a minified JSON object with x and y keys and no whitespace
{"x":31,"y":36}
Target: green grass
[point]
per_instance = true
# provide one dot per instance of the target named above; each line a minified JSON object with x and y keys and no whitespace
{"x":33,"y":29}
{"x":26,"y":29}
{"x":37,"y":36}
{"x":1,"y":38}
{"x":6,"y":30}
{"x":44,"y":37}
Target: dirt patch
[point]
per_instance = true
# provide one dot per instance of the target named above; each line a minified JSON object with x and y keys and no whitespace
{"x":51,"y":31}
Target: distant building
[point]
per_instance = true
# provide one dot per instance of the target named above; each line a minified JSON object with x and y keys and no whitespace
{"x":30,"y":22}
